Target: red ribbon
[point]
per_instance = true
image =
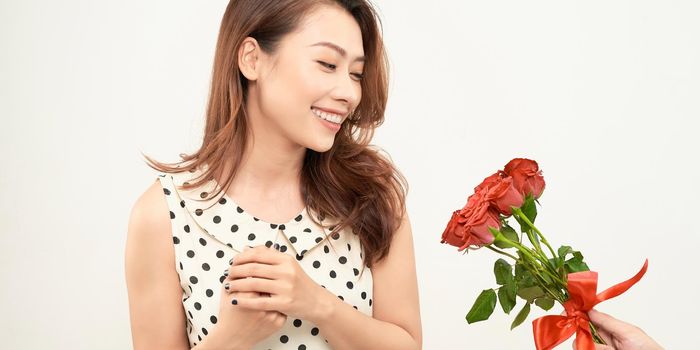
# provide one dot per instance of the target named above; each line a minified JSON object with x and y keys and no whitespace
{"x":551,"y":330}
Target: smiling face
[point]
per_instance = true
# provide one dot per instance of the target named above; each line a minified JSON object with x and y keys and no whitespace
{"x":316,"y":68}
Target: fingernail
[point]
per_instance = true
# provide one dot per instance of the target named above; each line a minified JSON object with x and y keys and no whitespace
{"x":226,"y":272}
{"x":226,"y":286}
{"x":230,"y":261}
{"x":234,"y":302}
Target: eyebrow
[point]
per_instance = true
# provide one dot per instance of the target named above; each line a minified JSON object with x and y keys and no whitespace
{"x":339,"y":49}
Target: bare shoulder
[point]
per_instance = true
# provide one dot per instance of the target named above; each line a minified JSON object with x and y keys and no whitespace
{"x":156,"y":312}
{"x":395,"y":287}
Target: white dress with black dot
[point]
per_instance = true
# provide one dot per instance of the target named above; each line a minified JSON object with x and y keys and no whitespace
{"x":208,"y":233}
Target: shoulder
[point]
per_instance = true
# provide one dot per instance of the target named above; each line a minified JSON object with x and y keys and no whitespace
{"x":150,"y":210}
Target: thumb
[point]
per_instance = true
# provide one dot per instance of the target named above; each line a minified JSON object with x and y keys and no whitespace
{"x":607,"y":322}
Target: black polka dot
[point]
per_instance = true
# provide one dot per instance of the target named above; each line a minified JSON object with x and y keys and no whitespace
{"x":222,"y":201}
{"x":166,"y":191}
{"x":273,"y":225}
{"x":363,"y":295}
{"x":314,"y":331}
{"x":349,"y":285}
{"x":217,"y":219}
{"x":268,"y":244}
{"x":197,"y":306}
{"x":307,"y":230}
{"x":210,"y":293}
{"x":172,"y":215}
{"x":187,"y":228}
{"x":318,"y":239}
{"x":332,"y":274}
{"x":203,"y":195}
{"x":234,"y":228}
{"x":182,"y":204}
{"x":342,"y":260}
{"x":317,"y":264}
{"x":213,"y":319}
{"x":202,"y":241}
{"x":326,"y":249}
{"x":297,"y":323}
{"x":251,"y":237}
{"x":176,"y":240}
{"x":198,"y":212}
{"x":341,"y":297}
{"x":204,"y":330}
{"x":205,"y":267}
{"x":370,"y":301}
{"x":220,"y":254}
{"x":181,"y":265}
{"x":298,"y":218}
{"x":303,"y":252}
{"x":282,"y":227}
{"x":299,"y":257}
{"x":190,"y":313}
{"x":284,"y":339}
{"x":302,"y":347}
{"x":256,"y":219}
{"x":190,"y":253}
{"x":293,"y":239}
{"x":239,"y":210}
{"x":193,"y":279}
{"x":349,"y":248}
{"x":283,"y":248}
{"x":355,"y":271}
{"x":335,"y":235}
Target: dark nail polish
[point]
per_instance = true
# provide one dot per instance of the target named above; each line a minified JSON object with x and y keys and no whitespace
{"x":230,"y":261}
{"x":234,"y":302}
{"x":226,"y":286}
{"x":226,"y":272}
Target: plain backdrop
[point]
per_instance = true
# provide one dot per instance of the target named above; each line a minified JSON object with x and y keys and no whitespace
{"x":603,"y":94}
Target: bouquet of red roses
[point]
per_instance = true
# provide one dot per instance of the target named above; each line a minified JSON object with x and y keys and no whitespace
{"x":538,"y":274}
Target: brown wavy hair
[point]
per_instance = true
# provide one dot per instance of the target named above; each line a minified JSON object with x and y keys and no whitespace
{"x":352,"y":181}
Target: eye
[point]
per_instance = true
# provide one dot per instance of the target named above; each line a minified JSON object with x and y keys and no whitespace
{"x":359,"y":76}
{"x":327,"y":65}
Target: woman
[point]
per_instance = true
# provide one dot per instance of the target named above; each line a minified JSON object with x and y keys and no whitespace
{"x":285,"y":167}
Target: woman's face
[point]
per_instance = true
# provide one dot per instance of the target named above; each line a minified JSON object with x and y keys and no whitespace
{"x":307,"y":75}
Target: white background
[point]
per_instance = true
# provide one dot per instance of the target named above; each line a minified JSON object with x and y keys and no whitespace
{"x":603,"y":94}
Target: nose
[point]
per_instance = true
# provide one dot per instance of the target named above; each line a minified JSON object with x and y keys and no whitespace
{"x":347,"y":89}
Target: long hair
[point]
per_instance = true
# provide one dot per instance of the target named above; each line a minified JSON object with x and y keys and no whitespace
{"x":352,"y":181}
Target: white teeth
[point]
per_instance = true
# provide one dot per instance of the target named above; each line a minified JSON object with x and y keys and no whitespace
{"x":333,"y":118}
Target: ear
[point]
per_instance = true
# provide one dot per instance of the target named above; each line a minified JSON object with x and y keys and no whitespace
{"x":249,"y":58}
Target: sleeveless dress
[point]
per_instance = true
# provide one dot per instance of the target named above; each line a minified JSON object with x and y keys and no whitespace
{"x":208,"y":232}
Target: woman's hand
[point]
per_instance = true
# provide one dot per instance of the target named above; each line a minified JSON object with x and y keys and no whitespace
{"x":620,"y":335}
{"x":239,"y":328}
{"x":292,"y":292}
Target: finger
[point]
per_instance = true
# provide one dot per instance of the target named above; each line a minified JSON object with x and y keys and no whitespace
{"x":612,"y":326}
{"x":253,"y":269}
{"x":260,"y":304}
{"x":261,"y":254}
{"x":259,"y":285}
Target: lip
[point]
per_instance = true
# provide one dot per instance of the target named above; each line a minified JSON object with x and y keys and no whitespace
{"x":333,"y":111}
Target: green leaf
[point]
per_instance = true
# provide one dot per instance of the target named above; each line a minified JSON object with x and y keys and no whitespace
{"x":509,"y":233}
{"x":529,"y":208}
{"x":530,"y":293}
{"x":563,"y":251}
{"x":506,"y":297}
{"x":521,"y":316}
{"x":523,"y":277}
{"x":575,"y":265}
{"x":503,"y":272}
{"x":545,"y":303}
{"x":483,"y":306}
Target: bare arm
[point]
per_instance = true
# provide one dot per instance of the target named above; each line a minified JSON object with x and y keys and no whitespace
{"x":395,"y":323}
{"x":156,"y":312}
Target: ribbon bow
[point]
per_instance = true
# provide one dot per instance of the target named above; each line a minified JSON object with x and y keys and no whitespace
{"x":551,"y":330}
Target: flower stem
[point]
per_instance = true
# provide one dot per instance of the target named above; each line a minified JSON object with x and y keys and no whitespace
{"x":522,"y":216}
{"x":502,"y":252}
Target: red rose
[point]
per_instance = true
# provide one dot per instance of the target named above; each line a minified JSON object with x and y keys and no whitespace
{"x":527,"y":178}
{"x":503,"y":194}
{"x":469,"y":226}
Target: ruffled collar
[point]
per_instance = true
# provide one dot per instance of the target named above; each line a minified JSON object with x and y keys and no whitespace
{"x":227,"y":222}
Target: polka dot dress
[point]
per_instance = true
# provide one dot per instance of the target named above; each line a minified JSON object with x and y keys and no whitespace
{"x":208,"y":232}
